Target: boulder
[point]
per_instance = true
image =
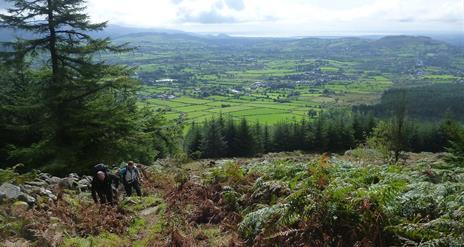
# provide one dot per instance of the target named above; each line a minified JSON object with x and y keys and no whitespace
{"x":53,"y":180}
{"x":10,"y":191}
{"x":44,"y":176}
{"x":18,"y":208}
{"x":48,"y":193}
{"x":30,"y":189}
{"x":68,"y":183}
{"x":73,"y":175}
{"x":13,"y":192}
{"x":83,"y":184}
{"x":27,"y":198}
{"x":37,"y":191}
{"x":38,"y":183}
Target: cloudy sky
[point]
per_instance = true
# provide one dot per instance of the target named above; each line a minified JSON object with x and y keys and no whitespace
{"x":285,"y":17}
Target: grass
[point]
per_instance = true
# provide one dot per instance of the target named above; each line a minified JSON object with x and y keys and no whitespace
{"x":289,"y":199}
{"x":104,"y":239}
{"x":347,"y":83}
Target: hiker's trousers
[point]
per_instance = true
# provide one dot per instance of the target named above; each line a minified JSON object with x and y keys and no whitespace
{"x":128,"y":187}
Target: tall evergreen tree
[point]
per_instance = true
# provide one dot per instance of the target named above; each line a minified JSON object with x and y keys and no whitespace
{"x":456,"y":145}
{"x":90,"y":107}
{"x":21,"y":109}
{"x":213,"y":144}
{"x":194,"y":138}
{"x":267,"y":142}
{"x":398,"y":128}
{"x":281,"y":137}
{"x":339,"y":134}
{"x":358,"y":128}
{"x":258,"y":136}
{"x":245,"y":139}
{"x":318,"y":134}
{"x":230,"y":136}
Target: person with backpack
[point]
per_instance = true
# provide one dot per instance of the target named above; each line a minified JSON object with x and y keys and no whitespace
{"x":102,"y":185}
{"x":131,"y":177}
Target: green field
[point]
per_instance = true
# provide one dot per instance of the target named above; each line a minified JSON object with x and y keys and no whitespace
{"x":272,"y":80}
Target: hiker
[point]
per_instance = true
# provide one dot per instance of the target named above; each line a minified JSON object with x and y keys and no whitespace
{"x":102,"y":185}
{"x":130,"y":176}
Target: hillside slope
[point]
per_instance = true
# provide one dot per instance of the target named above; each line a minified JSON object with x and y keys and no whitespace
{"x":286,"y":199}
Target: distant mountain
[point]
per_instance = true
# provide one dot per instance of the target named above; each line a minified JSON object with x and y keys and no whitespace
{"x":112,"y":31}
{"x":7,"y":34}
{"x":401,"y":40}
{"x":117,"y":31}
{"x":454,"y":39}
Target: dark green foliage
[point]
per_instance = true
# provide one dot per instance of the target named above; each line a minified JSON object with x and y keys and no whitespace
{"x":75,"y":111}
{"x":231,"y":138}
{"x":193,"y":140}
{"x":456,"y":144}
{"x":340,"y":134}
{"x":430,"y":102}
{"x":266,"y":139}
{"x":258,"y":136}
{"x":362,"y":126}
{"x":318,"y":134}
{"x":281,"y":138}
{"x":11,"y":175}
{"x":329,"y":132}
{"x":333,"y":131}
{"x":246,"y":143}
{"x":213,"y":144}
{"x":336,"y":203}
{"x":396,"y":135}
{"x":21,"y":115}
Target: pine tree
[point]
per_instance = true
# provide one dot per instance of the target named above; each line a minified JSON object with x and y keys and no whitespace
{"x":392,"y":137}
{"x":230,"y":136}
{"x":298,"y":133}
{"x":245,"y":140}
{"x":20,"y":111}
{"x":398,"y":128}
{"x":456,"y":148}
{"x":267,"y":143}
{"x":358,"y":128}
{"x":213,"y":144}
{"x":194,"y":141}
{"x":281,"y":138}
{"x":318,"y":134}
{"x":258,"y":136}
{"x":90,"y":112}
{"x":63,"y":27}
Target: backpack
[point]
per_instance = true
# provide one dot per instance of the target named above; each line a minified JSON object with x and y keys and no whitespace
{"x":123,"y":172}
{"x":100,"y":167}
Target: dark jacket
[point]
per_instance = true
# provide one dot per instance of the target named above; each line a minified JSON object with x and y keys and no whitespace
{"x":104,"y":188}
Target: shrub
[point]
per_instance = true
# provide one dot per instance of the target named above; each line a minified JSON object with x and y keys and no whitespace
{"x":11,"y":175}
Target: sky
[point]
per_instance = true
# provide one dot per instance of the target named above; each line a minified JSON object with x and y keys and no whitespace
{"x":285,"y":17}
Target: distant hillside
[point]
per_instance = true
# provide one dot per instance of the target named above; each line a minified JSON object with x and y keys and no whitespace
{"x":432,"y":102}
{"x":113,"y":31}
{"x":391,"y":54}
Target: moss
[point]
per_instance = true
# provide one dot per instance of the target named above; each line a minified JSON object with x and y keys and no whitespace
{"x":137,"y":226}
{"x":104,"y":239}
{"x":152,"y":233}
{"x":135,"y":204}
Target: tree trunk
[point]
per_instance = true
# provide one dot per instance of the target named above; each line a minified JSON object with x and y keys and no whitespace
{"x":52,"y":47}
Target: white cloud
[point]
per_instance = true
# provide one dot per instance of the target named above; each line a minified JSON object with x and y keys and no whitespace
{"x":236,"y":15}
